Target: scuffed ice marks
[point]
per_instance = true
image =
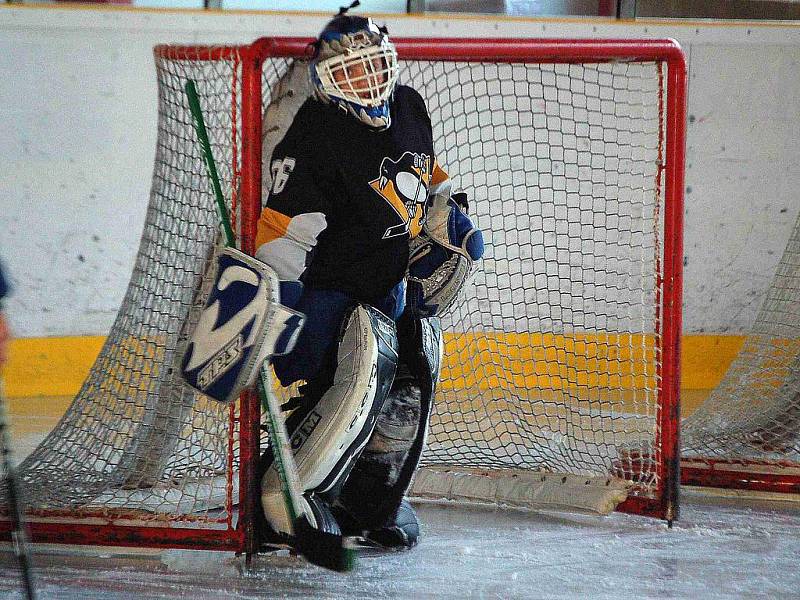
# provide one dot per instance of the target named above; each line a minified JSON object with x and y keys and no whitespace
{"x":721,"y":548}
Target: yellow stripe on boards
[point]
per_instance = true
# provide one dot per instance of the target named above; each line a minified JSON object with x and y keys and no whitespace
{"x":53,"y":366}
{"x":548,"y":361}
{"x":58,"y":366}
{"x":706,"y":358}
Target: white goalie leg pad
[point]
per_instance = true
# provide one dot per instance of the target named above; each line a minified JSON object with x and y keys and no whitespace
{"x":331,"y":436}
{"x":374,"y":490}
{"x":242,"y":323}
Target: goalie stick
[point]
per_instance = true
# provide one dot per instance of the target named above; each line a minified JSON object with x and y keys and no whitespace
{"x":320,"y":548}
{"x":19,"y":533}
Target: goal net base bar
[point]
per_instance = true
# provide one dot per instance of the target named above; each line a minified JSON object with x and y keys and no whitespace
{"x":531,"y":491}
{"x":150,"y":536}
{"x":758,"y":476}
{"x":521,"y":489}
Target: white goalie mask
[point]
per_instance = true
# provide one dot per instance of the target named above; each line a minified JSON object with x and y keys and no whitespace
{"x":355,"y":67}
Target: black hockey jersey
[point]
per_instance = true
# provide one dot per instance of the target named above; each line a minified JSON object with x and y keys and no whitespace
{"x":345,"y":198}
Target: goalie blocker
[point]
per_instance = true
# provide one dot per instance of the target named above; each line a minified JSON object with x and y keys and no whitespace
{"x":242,"y":323}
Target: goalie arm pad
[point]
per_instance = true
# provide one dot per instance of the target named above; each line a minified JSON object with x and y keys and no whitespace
{"x":246,"y":318}
{"x":443,"y":255}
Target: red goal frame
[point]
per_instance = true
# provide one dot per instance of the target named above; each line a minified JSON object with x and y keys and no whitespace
{"x":240,"y":536}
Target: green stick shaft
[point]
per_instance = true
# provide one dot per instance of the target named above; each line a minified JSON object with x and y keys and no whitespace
{"x":324,"y":549}
{"x":202,"y":135}
{"x":281,"y":447}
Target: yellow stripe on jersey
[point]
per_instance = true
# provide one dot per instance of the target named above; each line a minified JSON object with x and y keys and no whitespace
{"x":284,"y":243}
{"x":271,"y":225}
{"x":439,"y":175}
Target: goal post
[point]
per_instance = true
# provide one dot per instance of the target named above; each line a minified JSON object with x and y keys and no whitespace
{"x":562,"y":366}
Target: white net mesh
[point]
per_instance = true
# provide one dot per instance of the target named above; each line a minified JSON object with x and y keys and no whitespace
{"x":754,"y":414}
{"x":135,"y":438}
{"x":551,"y":353}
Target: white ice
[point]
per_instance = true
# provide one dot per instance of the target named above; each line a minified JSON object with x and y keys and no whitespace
{"x":722,"y":547}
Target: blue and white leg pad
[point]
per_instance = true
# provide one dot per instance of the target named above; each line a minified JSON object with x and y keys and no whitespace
{"x":242,"y":323}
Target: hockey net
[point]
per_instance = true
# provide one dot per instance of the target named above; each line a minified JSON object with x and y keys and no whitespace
{"x":561,"y":371}
{"x":747,"y":433}
{"x":553,"y":390}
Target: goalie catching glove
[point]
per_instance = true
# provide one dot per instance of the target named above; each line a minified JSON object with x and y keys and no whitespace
{"x":442,"y":256}
{"x":246,"y":318}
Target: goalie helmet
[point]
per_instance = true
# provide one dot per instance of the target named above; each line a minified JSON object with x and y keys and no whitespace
{"x":354,"y":67}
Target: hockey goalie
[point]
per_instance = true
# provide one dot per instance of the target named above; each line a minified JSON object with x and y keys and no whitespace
{"x":360,"y":216}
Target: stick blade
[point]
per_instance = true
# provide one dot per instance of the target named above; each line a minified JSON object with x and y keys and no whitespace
{"x":323,"y":549}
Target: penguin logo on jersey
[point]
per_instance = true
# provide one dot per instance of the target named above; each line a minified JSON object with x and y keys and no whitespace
{"x":404,"y":183}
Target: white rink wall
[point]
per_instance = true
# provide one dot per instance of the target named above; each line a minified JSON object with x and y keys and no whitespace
{"x":78,"y":131}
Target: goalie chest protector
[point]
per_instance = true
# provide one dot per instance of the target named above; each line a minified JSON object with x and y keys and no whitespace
{"x":371,"y":186}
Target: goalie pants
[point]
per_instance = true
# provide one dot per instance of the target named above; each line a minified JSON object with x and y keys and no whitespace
{"x":315,"y":347}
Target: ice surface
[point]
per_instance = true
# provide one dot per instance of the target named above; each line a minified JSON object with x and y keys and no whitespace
{"x":720,"y":548}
